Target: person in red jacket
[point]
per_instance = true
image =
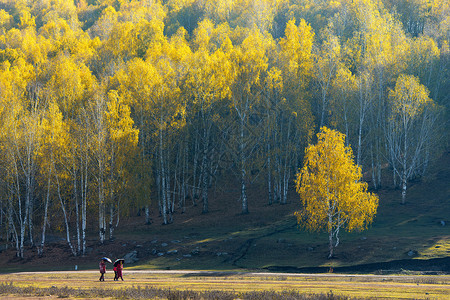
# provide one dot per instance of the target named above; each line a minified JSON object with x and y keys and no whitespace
{"x":119,"y":270}
{"x":102,"y":267}
{"x":115,"y":273}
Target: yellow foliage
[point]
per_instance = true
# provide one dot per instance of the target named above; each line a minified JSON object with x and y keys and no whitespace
{"x":5,"y":21}
{"x":296,"y":50}
{"x":69,"y":83}
{"x":210,"y":72}
{"x":106,"y":23}
{"x":55,"y":142}
{"x":409,"y":97}
{"x":274,"y":79}
{"x":250,"y":60}
{"x":26,"y":19}
{"x":121,"y":127}
{"x":331,"y":193}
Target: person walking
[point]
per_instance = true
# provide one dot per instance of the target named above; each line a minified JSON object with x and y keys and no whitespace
{"x":119,"y":270}
{"x":115,"y":273}
{"x":102,"y":266}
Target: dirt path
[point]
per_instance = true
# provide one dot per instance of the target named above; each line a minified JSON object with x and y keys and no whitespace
{"x":190,"y":273}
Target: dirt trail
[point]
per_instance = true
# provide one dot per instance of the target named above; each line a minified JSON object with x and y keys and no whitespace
{"x":190,"y":273}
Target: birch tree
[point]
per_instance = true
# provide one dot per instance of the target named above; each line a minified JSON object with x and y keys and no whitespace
{"x":326,"y":62}
{"x":411,"y":125}
{"x":209,"y":79}
{"x":99,"y":151}
{"x":21,"y":122}
{"x":249,"y":62}
{"x":331,"y":193}
{"x":52,"y":157}
{"x":122,"y":149}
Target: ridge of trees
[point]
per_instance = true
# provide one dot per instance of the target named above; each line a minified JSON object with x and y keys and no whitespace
{"x":108,"y":106}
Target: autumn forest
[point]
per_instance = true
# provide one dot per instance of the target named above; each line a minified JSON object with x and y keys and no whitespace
{"x":110,"y":106}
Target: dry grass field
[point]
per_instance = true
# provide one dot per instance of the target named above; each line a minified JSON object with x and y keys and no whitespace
{"x":221,"y":285}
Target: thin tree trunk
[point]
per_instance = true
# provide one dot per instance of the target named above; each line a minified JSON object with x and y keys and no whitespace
{"x":204,"y":173}
{"x":66,"y":222}
{"x":44,"y":226}
{"x":243,"y":171}
{"x":374,"y":179}
{"x":162,"y":178}
{"x":12,"y":226}
{"x":101,"y":206}
{"x":183,"y":183}
{"x":147,"y":214}
{"x":330,"y":240}
{"x":194,"y":170}
{"x":84,"y":186}
{"x":405,"y":160}
{"x":23,"y":223}
{"x":77,"y":210}
{"x":111,"y":220}
{"x":287,"y":169}
{"x":269,"y":173}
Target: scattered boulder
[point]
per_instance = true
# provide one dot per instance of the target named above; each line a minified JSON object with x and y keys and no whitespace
{"x":131,"y":257}
{"x":164,"y":245}
{"x":412,"y":253}
{"x":172,"y":252}
{"x":442,"y":223}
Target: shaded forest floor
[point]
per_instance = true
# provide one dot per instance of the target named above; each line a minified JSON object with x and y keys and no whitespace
{"x":414,"y":237}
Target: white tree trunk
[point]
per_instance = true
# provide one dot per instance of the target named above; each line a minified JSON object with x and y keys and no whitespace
{"x":44,"y":225}
{"x":66,"y":222}
{"x":243,"y":169}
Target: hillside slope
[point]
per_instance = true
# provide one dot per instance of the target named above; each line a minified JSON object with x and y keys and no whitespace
{"x":414,"y":236}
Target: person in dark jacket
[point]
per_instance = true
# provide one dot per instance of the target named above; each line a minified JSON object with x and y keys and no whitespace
{"x":115,"y":273}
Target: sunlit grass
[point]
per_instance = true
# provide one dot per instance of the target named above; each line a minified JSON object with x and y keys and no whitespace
{"x":363,"y":286}
{"x":440,"y":249}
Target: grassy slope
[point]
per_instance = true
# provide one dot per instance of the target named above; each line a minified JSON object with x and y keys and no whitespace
{"x":226,"y":240}
{"x":269,"y":235}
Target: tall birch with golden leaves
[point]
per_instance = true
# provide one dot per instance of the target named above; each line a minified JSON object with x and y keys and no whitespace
{"x":122,"y":149}
{"x":249,"y":64}
{"x":208,"y":81}
{"x":412,"y":122}
{"x":330,"y":188}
